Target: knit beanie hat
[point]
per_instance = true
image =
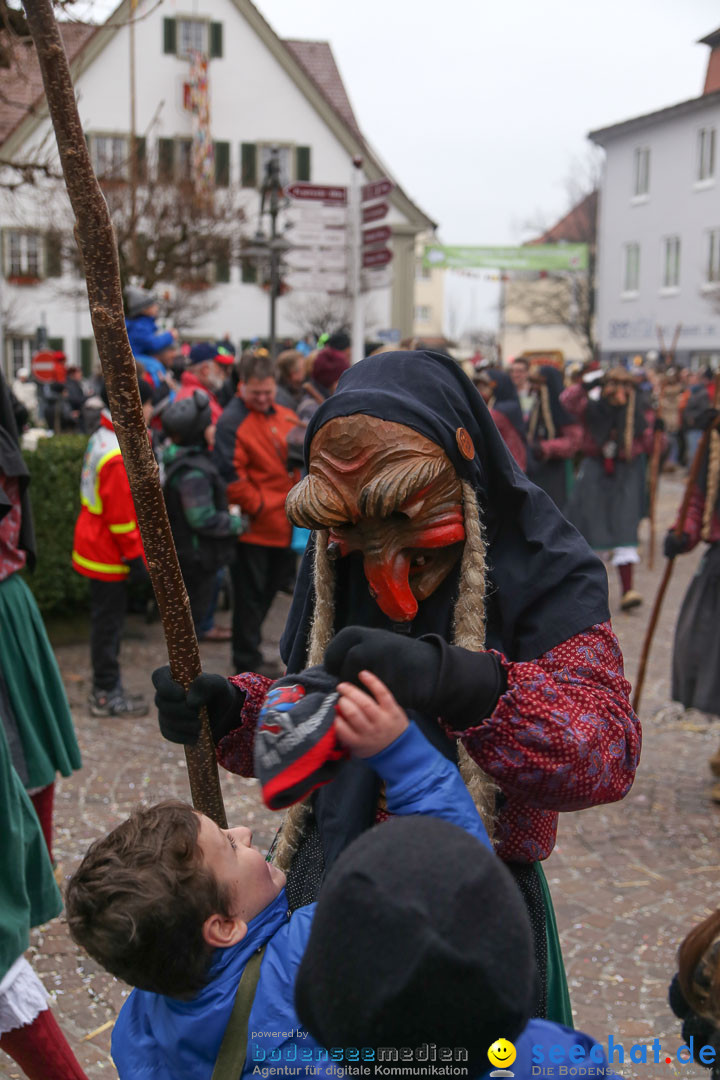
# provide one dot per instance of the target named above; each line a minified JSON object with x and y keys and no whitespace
{"x":296,"y":746}
{"x":420,"y":936}
{"x":137,"y":299}
{"x":328,"y":366}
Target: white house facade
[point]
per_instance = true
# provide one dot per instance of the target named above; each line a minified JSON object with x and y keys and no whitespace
{"x":262,"y":92}
{"x":658,"y":268}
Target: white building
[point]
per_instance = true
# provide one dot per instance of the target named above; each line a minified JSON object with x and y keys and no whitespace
{"x":658,"y":271}
{"x":263,"y":92}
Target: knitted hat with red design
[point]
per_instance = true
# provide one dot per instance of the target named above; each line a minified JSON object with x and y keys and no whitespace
{"x":296,"y":745}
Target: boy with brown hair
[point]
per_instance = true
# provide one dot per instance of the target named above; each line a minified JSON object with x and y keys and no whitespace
{"x":178,"y":908}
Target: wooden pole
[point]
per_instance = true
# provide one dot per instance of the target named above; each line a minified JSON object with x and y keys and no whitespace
{"x":95,"y":238}
{"x":654,"y":476}
{"x":679,"y":529}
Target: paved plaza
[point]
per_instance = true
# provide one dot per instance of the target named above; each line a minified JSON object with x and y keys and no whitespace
{"x":628,"y":880}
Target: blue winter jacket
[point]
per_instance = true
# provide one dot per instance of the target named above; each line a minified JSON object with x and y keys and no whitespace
{"x":165,"y":1039}
{"x":144,"y":336}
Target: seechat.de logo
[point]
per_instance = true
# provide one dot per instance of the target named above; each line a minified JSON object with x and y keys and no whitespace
{"x":502,"y":1053}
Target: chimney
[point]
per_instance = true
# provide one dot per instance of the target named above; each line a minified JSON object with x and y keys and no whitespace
{"x":712,"y":78}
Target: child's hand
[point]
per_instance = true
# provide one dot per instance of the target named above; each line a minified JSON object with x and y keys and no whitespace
{"x":366,"y":725}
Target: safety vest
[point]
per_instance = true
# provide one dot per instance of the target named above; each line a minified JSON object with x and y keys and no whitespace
{"x":106,"y":532}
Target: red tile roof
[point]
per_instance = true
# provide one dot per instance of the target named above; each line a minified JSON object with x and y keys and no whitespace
{"x":21,"y":87}
{"x":317,"y":61}
{"x":577,"y":227}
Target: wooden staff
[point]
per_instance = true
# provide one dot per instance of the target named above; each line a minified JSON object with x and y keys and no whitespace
{"x":95,"y":238}
{"x":679,"y":529}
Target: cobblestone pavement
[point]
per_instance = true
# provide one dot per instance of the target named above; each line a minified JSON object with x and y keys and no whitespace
{"x":628,"y":880}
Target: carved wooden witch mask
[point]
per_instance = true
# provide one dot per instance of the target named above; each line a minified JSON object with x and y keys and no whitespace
{"x":383,"y":490}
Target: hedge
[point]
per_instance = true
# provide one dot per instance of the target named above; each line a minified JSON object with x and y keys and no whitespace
{"x":55,"y":468}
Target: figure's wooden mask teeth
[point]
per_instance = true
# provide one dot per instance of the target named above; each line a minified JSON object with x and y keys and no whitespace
{"x":389,"y":494}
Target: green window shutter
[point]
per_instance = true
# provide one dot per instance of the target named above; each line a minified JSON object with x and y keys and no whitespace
{"x":53,"y":254}
{"x":216,"y":39}
{"x":57,"y":344}
{"x":249,"y":272}
{"x":302,"y":162}
{"x":86,"y":356}
{"x":141,"y":156}
{"x":170,"y":36}
{"x":248,"y":165}
{"x":166,"y":158}
{"x":222,"y":262}
{"x":222,"y":164}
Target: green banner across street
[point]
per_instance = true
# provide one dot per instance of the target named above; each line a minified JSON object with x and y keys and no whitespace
{"x":531,"y":257}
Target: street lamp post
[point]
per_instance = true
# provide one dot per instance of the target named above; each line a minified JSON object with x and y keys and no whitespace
{"x":271,"y":249}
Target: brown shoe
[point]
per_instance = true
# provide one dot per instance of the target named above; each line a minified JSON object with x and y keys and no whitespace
{"x":630,"y":600}
{"x":714,"y":763}
{"x":217,"y":633}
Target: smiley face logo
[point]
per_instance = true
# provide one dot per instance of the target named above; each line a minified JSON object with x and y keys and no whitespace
{"x":502,"y":1053}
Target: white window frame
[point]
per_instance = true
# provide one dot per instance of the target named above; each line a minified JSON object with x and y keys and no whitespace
{"x":185,"y":49}
{"x":631,"y":270}
{"x":24,"y":254}
{"x":423,"y":313}
{"x":712,"y":262}
{"x":119,"y":164}
{"x":19,"y":351}
{"x":706,"y":149}
{"x":641,"y":173}
{"x":670,"y":265}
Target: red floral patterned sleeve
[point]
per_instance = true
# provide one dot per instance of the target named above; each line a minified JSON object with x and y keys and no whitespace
{"x":235,"y":751}
{"x":563,"y":736}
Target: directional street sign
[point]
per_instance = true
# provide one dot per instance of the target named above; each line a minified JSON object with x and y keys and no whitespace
{"x":381,"y":235}
{"x":381,"y":257}
{"x":312,"y":258}
{"x":316,"y":281}
{"x":377,"y":189}
{"x":376,"y":212}
{"x":316,"y":213}
{"x":318,"y":192}
{"x":318,"y":237}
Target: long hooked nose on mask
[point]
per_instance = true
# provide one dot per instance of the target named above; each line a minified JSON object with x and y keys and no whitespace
{"x":389,"y":581}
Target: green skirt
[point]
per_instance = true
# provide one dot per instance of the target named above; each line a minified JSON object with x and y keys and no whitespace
{"x":28,"y":893}
{"x":34,"y":689}
{"x":558,"y":995}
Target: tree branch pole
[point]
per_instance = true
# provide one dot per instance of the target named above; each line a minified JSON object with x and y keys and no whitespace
{"x":679,"y":529}
{"x":95,"y":238}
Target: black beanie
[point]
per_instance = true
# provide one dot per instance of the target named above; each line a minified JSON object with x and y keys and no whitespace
{"x":420,"y":936}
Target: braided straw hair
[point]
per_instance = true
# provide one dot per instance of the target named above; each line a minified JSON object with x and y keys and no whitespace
{"x":468,"y":632}
{"x":713,"y":484}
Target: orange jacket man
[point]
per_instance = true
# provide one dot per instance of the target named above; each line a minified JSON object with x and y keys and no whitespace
{"x":251,"y":453}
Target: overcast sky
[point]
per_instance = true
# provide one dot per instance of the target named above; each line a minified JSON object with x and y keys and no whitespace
{"x":481,"y":107}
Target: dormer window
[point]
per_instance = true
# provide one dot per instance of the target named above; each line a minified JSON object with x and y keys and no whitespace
{"x":184,"y":36}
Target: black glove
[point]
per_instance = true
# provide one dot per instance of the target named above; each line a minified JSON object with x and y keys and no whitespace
{"x":673,"y":546}
{"x":425,"y":674}
{"x":659,"y":424}
{"x":138,"y":571}
{"x":706,"y":418}
{"x":179,"y":713}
